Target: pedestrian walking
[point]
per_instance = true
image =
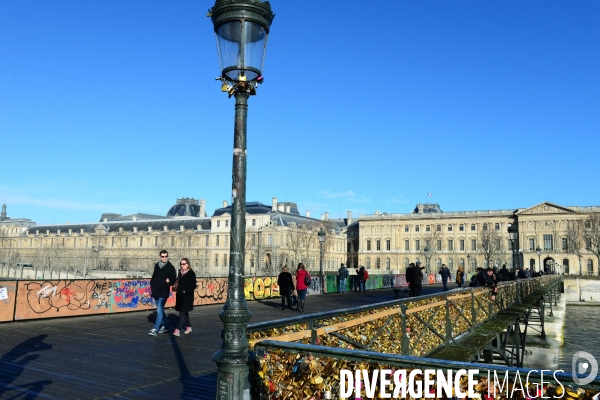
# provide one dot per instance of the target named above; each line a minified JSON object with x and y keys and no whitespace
{"x":184,"y":289}
{"x":342,"y":276}
{"x":460,"y":277}
{"x":361,"y":275}
{"x":162,"y":279}
{"x":286,"y":287}
{"x":417,"y":279}
{"x":445,"y":272}
{"x":409,"y":278}
{"x":302,"y":284}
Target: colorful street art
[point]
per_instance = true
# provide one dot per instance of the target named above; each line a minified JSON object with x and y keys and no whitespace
{"x":63,"y":298}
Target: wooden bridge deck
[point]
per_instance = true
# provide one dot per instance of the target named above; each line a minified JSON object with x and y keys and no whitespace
{"x":113,"y":357}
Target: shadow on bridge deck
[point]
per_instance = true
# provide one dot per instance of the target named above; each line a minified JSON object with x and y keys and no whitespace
{"x":113,"y":357}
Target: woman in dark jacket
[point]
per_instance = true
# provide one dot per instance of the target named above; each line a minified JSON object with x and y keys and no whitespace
{"x":186,"y":284}
{"x":286,"y":287}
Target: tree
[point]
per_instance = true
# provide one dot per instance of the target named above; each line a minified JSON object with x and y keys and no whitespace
{"x":431,"y":246}
{"x":592,"y":236}
{"x":489,"y":243}
{"x":575,"y":240}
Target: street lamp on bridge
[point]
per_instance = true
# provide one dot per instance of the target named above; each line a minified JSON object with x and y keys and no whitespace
{"x":539,"y":253}
{"x":513,"y":235}
{"x":241,"y":27}
{"x":321,"y":235}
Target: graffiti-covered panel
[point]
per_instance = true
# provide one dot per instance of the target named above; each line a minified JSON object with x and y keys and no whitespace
{"x":7,"y":300}
{"x":210,"y":291}
{"x":262,"y":287}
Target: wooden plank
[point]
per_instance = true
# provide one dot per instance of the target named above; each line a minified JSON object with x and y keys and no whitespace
{"x":289,"y":337}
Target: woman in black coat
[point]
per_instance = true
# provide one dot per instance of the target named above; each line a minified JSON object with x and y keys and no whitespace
{"x":186,"y":284}
{"x":286,"y":287}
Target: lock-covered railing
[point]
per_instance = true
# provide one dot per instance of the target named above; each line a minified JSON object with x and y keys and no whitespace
{"x":413,"y":326}
{"x":299,"y":371}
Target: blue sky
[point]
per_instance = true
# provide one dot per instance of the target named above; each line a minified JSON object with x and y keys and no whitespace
{"x":112,"y":106}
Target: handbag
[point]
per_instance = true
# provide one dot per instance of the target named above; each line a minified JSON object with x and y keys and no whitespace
{"x":294,"y":300}
{"x":176,"y":284}
{"x":307,"y":280}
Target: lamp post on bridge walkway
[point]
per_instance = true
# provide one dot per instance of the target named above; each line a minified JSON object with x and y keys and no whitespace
{"x":241,"y":27}
{"x":513,"y":235}
{"x":539,"y":253}
{"x":321,"y":235}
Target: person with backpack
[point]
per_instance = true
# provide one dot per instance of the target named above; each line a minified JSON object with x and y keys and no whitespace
{"x":302,"y":284}
{"x":342,"y":276}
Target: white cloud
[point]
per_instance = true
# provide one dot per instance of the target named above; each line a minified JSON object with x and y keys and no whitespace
{"x":348,"y":196}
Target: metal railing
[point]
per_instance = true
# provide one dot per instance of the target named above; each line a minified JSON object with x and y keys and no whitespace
{"x":414,"y":326}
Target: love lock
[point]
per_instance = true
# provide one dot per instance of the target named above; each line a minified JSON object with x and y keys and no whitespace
{"x":327,"y":393}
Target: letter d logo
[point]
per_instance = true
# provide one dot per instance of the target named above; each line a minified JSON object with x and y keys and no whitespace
{"x":579,"y":368}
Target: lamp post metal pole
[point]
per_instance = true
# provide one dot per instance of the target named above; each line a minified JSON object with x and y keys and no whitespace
{"x":321,"y":270}
{"x":233,"y":358}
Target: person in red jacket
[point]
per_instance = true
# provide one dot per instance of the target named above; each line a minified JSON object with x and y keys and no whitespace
{"x":302,"y":277}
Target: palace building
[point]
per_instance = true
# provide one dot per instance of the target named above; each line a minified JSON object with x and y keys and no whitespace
{"x":550,"y":236}
{"x":276,"y":235}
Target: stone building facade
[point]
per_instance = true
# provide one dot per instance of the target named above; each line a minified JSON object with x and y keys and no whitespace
{"x":276,"y":235}
{"x":479,"y":238}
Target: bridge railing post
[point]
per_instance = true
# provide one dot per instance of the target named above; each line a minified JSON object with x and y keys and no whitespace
{"x":519,"y":287}
{"x":405,"y":344}
{"x":473,"y":310}
{"x":448,"y":322}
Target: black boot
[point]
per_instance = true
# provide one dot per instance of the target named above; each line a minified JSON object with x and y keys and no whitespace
{"x":301,"y":306}
{"x":283,"y":303}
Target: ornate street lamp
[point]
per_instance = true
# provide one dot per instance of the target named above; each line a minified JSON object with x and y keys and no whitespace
{"x":539,"y":253}
{"x":468,"y":262}
{"x":427,"y":253}
{"x":241,"y":28}
{"x":513,"y":233}
{"x":321,"y":235}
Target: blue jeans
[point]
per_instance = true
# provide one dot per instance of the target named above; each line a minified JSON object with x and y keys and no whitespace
{"x":445,"y":282}
{"x":342,"y":286}
{"x":361,"y":286}
{"x":160,"y":313}
{"x":301,"y":294}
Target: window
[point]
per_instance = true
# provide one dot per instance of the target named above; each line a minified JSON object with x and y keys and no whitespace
{"x":461,"y":243}
{"x":427,"y":228}
{"x":206,"y":241}
{"x":588,"y":243}
{"x":252,"y":261}
{"x":449,"y":228}
{"x":226,"y":223}
{"x":253,"y":221}
{"x":388,"y":244}
{"x":218,"y":224}
{"x":462,"y":262}
{"x":126,"y":242}
{"x":587,"y":224}
{"x":484,"y":227}
{"x":566,"y":265}
{"x":438,"y":228}
{"x":474,"y":264}
{"x":368,"y":263}
{"x":439,"y":263}
{"x":224,"y":260}
{"x":406,"y":262}
{"x":406,"y":229}
{"x":438,"y":245}
{"x":377,"y":263}
{"x":531,"y":264}
{"x":253,"y":240}
{"x":226,"y":240}
{"x":270,"y":240}
{"x":510,"y":244}
{"x":564,"y":243}
{"x":450,"y":245}
{"x":406,"y":245}
{"x":368,"y":245}
{"x":451,"y":264}
{"x":155,"y":241}
{"x":473,"y":244}
{"x":216,"y":260}
{"x":218,"y":240}
{"x":531,"y":244}
{"x":378,"y":243}
{"x":112,"y":242}
{"x":497,"y":244}
{"x":461,"y":227}
{"x":387,"y":263}
{"x":548,"y":244}
{"x":189,"y":241}
{"x":497,"y":226}
{"x":472,"y":227}
{"x":417,"y":245}
{"x":141,"y":241}
{"x":417,"y":228}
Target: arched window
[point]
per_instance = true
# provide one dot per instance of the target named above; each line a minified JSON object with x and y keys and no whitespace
{"x":590,"y":266}
{"x":485,"y":227}
{"x":566,"y":266}
{"x":368,"y":245}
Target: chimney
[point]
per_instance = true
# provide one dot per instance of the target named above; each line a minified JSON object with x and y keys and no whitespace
{"x":149,"y":229}
{"x":58,"y":231}
{"x":287,"y":209}
{"x":274,"y":204}
{"x":307,"y":213}
{"x":105,"y":219}
{"x":202,"y":212}
{"x":70,"y":230}
{"x":134,"y":217}
{"x":280,"y":207}
{"x":322,"y":217}
{"x":181,"y":228}
{"x":349,"y":218}
{"x":81,"y":231}
{"x":199,"y":227}
{"x":165,"y":228}
{"x":135,"y":229}
{"x":327,"y":216}
{"x":224,"y":203}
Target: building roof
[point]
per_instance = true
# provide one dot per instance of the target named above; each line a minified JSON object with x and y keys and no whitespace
{"x":252,"y":208}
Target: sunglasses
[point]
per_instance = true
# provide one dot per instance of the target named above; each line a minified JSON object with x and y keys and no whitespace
{"x":164,"y":256}
{"x":183,"y":264}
